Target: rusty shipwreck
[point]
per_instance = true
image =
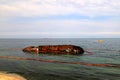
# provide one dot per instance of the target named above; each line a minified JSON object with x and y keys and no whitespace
{"x":55,"y":49}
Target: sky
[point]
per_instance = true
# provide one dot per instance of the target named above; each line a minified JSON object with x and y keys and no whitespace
{"x":59,"y":18}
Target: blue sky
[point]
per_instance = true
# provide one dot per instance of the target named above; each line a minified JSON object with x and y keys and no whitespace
{"x":60,"y":19}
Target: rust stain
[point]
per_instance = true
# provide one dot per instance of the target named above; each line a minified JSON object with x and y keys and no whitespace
{"x":55,"y":49}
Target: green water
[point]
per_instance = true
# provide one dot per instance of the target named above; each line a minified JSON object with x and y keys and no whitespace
{"x":105,"y":52}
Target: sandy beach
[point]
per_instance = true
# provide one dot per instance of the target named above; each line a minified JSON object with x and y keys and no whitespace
{"x":10,"y":76}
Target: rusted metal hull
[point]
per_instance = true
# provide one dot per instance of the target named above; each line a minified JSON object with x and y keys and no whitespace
{"x":55,"y":49}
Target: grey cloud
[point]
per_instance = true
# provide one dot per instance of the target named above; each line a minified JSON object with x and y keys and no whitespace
{"x":59,"y":7}
{"x":10,"y":9}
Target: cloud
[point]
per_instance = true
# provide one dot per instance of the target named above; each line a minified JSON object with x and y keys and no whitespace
{"x":49,"y":17}
{"x":60,"y":35}
{"x":61,"y":28}
{"x":59,"y":7}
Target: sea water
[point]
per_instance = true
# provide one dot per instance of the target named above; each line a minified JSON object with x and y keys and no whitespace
{"x":106,"y":51}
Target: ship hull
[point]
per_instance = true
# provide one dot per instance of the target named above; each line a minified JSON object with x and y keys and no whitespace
{"x":55,"y":49}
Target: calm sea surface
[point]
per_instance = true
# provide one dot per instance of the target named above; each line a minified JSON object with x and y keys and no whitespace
{"x":106,"y":52}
